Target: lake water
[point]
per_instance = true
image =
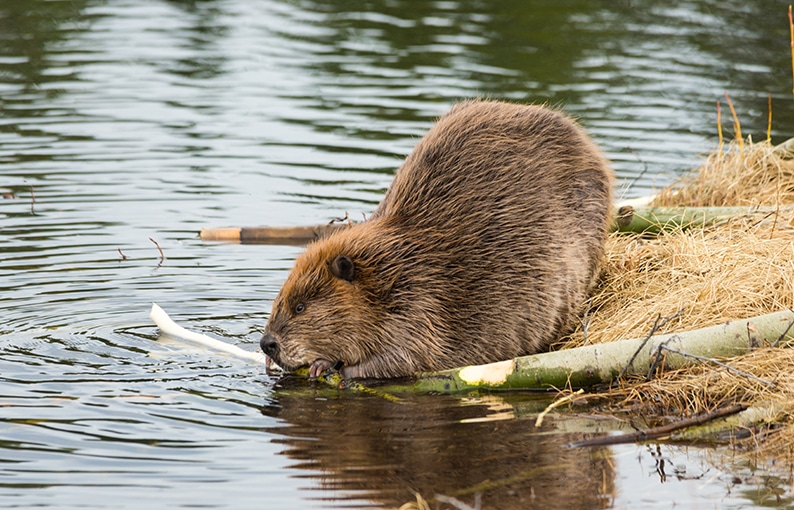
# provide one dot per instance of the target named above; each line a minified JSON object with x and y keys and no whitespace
{"x":126,"y":122}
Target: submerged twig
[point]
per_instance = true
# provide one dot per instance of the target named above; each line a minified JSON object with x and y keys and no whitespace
{"x":420,"y":504}
{"x":556,"y":403}
{"x":334,"y":379}
{"x":458,"y":504}
{"x":32,"y":200}
{"x":664,"y":430}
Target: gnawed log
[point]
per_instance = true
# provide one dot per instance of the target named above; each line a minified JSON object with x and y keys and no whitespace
{"x":270,"y":235}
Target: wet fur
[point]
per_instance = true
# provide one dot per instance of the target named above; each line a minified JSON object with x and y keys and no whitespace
{"x":483,"y":249}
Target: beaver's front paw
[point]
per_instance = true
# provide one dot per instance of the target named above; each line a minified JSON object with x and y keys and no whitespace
{"x":318,"y":367}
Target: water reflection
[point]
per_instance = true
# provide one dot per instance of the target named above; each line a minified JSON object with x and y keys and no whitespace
{"x":205,"y":27}
{"x":384,"y":451}
{"x":33,"y":32}
{"x":644,"y":79}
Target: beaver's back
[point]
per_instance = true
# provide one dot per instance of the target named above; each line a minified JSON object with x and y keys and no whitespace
{"x":483,"y":155}
{"x":517,"y":201}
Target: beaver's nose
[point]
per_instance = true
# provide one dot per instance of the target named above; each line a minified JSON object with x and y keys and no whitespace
{"x":269,"y":345}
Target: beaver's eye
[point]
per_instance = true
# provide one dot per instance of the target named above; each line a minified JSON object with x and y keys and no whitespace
{"x":300,"y":307}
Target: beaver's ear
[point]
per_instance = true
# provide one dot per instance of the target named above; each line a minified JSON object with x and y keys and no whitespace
{"x":343,"y":268}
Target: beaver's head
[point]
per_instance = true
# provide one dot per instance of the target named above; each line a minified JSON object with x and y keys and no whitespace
{"x":331,"y":308}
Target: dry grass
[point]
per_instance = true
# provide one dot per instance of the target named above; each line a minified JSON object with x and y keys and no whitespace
{"x":738,"y":269}
{"x":755,"y":174}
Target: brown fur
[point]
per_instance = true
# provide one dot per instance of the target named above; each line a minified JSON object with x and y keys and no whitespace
{"x":483,"y":249}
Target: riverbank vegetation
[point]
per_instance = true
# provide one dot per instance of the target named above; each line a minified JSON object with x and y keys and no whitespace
{"x":693,"y":278}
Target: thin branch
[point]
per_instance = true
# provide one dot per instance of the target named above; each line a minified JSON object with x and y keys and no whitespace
{"x":657,"y":359}
{"x":635,"y":180}
{"x":781,"y":337}
{"x":719,"y":363}
{"x":346,"y":219}
{"x":162,"y":255}
{"x":658,"y":324}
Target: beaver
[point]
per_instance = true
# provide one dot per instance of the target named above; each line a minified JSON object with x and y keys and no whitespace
{"x":483,"y":249}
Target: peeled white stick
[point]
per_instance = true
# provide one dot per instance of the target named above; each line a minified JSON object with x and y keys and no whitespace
{"x":171,"y":328}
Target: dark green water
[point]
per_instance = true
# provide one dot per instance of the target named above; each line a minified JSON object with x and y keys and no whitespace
{"x":122,"y":121}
